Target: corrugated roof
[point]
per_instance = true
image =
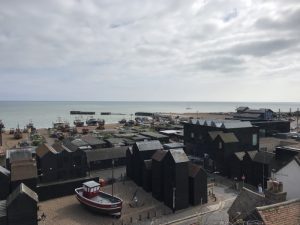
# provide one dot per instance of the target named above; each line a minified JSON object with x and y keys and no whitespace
{"x":148,"y":145}
{"x":91,"y":140}
{"x":236,"y":124}
{"x":240,"y":155}
{"x":106,"y":153}
{"x":159,"y":155}
{"x":179,"y":155}
{"x":20,"y":190}
{"x":23,"y":170}
{"x":228,"y":137}
{"x":4,"y":171}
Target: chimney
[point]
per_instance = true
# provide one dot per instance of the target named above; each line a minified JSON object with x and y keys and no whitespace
{"x":274,"y":193}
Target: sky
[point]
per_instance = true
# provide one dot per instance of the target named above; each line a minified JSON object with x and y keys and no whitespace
{"x":150,"y":50}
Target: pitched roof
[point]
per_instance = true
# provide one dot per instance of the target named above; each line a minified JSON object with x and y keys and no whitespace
{"x":4,"y":171}
{"x":23,"y":170}
{"x":287,"y":212}
{"x":44,"y":149}
{"x":245,"y":203}
{"x":154,"y":135}
{"x":20,"y":190}
{"x":264,"y":157}
{"x":91,"y":140}
{"x":236,"y":124}
{"x":148,"y":145}
{"x":75,"y":144}
{"x":228,"y":137}
{"x":159,"y":155}
{"x":115,"y":141}
{"x":173,"y":145}
{"x":57,"y":147}
{"x":214,"y":134}
{"x":278,"y":164}
{"x":252,"y":154}
{"x":18,"y":155}
{"x":106,"y":153}
{"x":179,"y":155}
{"x":240,"y":155}
{"x":194,"y":169}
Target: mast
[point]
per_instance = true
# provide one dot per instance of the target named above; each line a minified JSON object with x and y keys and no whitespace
{"x":1,"y":127}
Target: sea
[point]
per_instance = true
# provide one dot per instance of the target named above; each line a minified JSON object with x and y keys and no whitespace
{"x":44,"y":113}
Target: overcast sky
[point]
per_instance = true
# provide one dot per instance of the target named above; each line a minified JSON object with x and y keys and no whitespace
{"x":206,"y":50}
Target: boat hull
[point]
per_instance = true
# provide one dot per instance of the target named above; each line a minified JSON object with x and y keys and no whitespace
{"x":113,"y":209}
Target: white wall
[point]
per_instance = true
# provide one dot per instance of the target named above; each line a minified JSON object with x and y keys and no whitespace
{"x":290,"y":177}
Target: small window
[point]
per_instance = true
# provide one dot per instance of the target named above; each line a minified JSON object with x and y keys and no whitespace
{"x":192,"y":135}
{"x":220,"y":145}
{"x":254,"y":139}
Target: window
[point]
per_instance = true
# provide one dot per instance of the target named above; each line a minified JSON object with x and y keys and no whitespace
{"x":254,"y":139}
{"x":220,"y":145}
{"x":192,"y":135}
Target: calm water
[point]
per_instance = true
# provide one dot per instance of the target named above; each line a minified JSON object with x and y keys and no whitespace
{"x":44,"y":113}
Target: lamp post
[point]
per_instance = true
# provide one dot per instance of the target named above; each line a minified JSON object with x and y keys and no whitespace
{"x":1,"y":127}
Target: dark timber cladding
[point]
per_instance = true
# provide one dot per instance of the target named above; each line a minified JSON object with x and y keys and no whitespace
{"x":197,"y":185}
{"x":147,"y":175}
{"x":157,"y":174}
{"x":129,"y":163}
{"x":102,"y":158}
{"x":176,"y":186}
{"x":143,"y":151}
{"x":4,"y":182}
{"x":22,"y":206}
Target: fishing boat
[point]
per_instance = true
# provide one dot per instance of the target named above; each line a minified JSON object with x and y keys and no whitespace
{"x":78,"y":122}
{"x":91,"y":122}
{"x":96,"y":200}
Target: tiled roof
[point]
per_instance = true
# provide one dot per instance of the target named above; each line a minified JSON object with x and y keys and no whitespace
{"x":284,"y":213}
{"x":20,"y":190}
{"x":148,"y":145}
{"x":179,"y":155}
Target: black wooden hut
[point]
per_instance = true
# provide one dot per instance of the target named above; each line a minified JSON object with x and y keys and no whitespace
{"x":22,"y":206}
{"x":197,"y":184}
{"x":129,"y":163}
{"x":3,"y":214}
{"x":17,"y":155}
{"x":156,"y":136}
{"x":142,"y":151}
{"x":157,"y":174}
{"x":47,"y":163}
{"x":147,"y":175}
{"x":176,"y":179}
{"x":4,"y":182}
{"x":102,"y":158}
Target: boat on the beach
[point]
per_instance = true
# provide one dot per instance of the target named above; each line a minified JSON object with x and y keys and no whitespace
{"x":96,"y":200}
{"x":78,"y":122}
{"x":61,"y":125}
{"x":91,"y":122}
